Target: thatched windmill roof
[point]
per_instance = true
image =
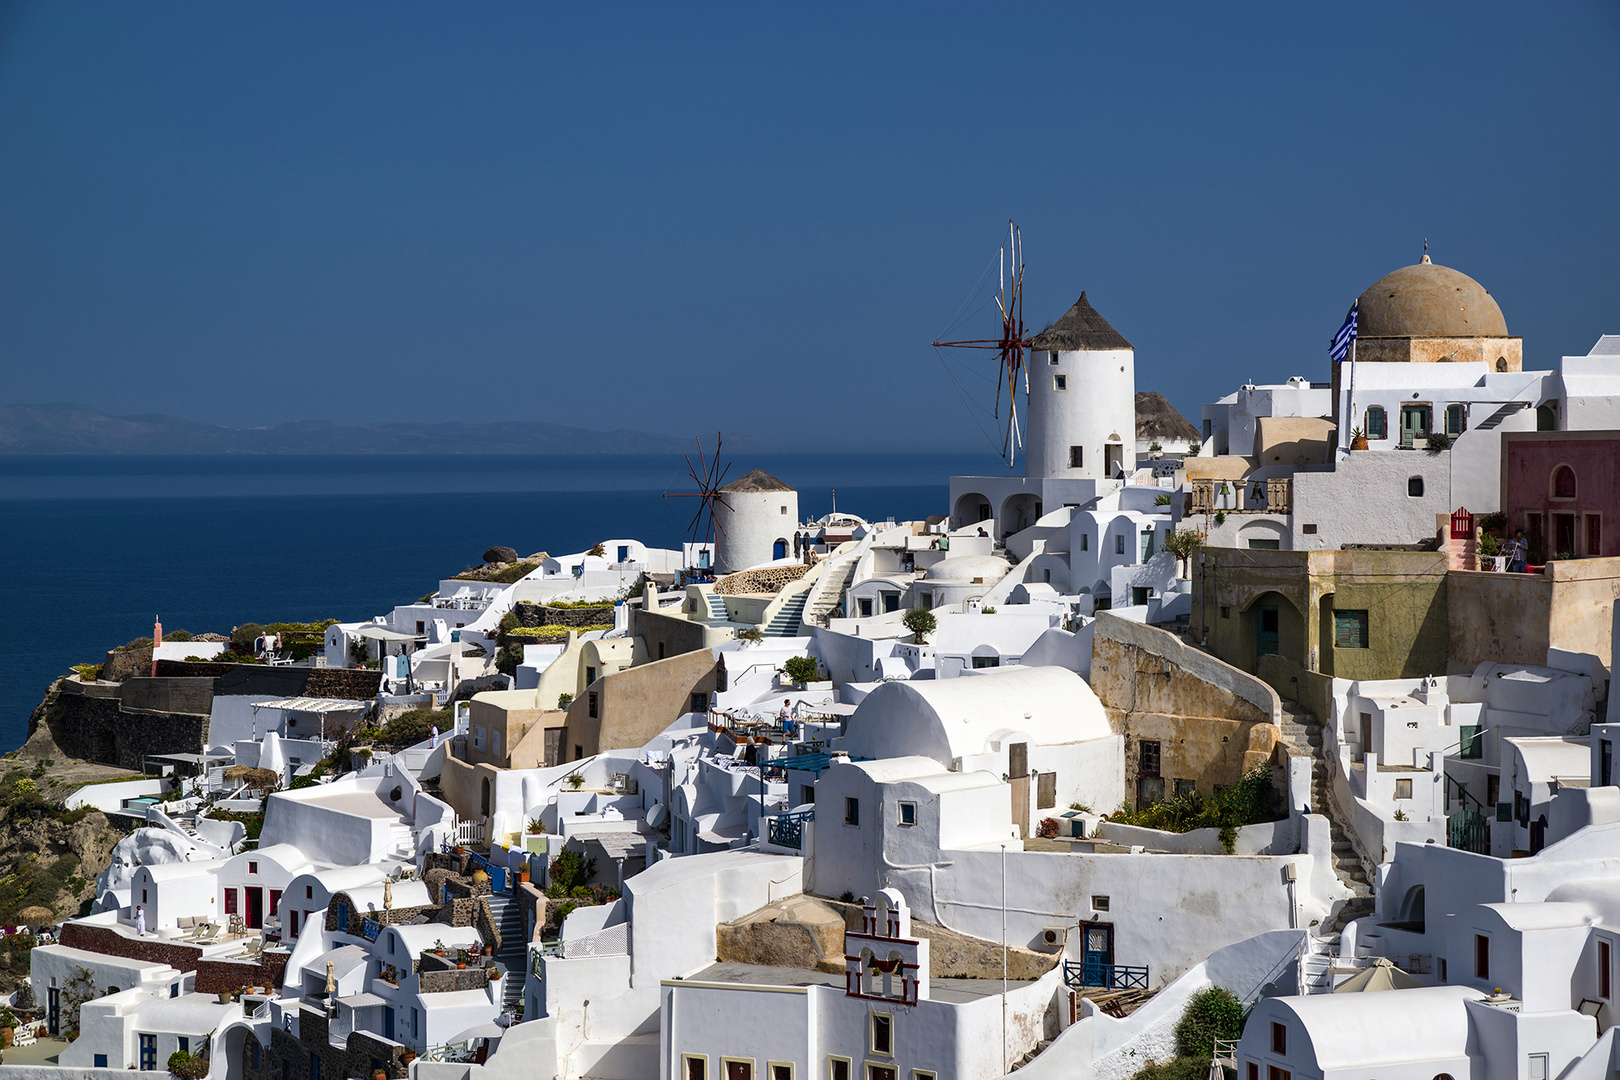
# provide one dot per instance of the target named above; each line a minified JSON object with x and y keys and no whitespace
{"x":255,"y":779}
{"x":1157,"y":419}
{"x":757,"y":480}
{"x":1082,"y":327}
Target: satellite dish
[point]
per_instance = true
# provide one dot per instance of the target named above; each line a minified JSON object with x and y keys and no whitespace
{"x":655,"y":816}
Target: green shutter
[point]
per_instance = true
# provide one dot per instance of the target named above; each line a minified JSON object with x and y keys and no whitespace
{"x":1350,"y":630}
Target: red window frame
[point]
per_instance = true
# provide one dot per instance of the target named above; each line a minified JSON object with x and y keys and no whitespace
{"x":275,"y":900}
{"x":230,"y":901}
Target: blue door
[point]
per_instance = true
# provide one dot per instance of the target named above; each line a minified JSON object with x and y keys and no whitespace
{"x":388,"y":1021}
{"x":779,"y":550}
{"x":1097,"y":953}
{"x":1265,"y":631}
{"x":148,"y":1053}
{"x":624,"y":553}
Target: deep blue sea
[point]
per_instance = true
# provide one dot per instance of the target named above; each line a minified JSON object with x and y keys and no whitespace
{"x":93,"y":547}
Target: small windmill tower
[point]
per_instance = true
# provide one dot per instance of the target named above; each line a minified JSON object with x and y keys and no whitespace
{"x":1082,"y":399}
{"x":755,"y":517}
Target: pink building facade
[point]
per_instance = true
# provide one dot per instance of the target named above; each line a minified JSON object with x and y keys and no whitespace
{"x":1563,"y":489}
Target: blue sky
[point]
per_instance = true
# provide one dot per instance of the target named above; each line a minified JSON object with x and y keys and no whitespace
{"x":756,"y":217}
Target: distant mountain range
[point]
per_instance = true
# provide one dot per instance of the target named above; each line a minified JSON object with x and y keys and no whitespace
{"x":79,"y":429}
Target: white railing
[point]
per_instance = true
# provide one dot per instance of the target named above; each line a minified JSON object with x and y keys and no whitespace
{"x":467,"y":832}
{"x":613,"y":941}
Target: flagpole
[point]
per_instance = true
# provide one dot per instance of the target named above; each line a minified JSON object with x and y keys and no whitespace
{"x":1351,"y":405}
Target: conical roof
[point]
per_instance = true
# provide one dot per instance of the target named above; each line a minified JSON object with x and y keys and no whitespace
{"x":758,"y":480}
{"x":1080,"y":328}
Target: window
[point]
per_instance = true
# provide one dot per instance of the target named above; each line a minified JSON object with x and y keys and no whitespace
{"x":1456,"y":420}
{"x":421,"y":628}
{"x":184,"y":1043}
{"x":1414,"y":487}
{"x":1052,"y":358}
{"x":1471,"y":742}
{"x":1350,"y":630}
{"x":1403,"y":789}
{"x":1099,"y":903}
{"x":148,"y":1052}
{"x":1226,"y":612}
{"x":101,"y":1061}
{"x":309,"y":892}
{"x":837,"y":1068}
{"x":865,"y":607}
{"x":1275,"y":1073}
{"x":1538,"y":1067}
{"x":1563,"y":485}
{"x":883,"y":1034}
{"x":1253,"y":1072}
{"x":852,"y":811}
{"x":230,"y":901}
{"x":579,"y":752}
{"x":478,"y":737}
{"x":1262,"y":544}
{"x":314,"y":1066}
{"x":1147,"y":757}
{"x":923,"y":1074}
{"x":590,"y":674}
{"x":1085,"y":541}
{"x":737,"y":1068}
{"x":1594,"y":535}
{"x":1308,"y":530}
{"x":781,"y":1071}
{"x":1279,"y":1038}
{"x":699,"y":702}
{"x":1060,"y":381}
{"x":1077,"y":457}
{"x":986,"y":661}
{"x":1186,"y":787}
{"x":1604,"y":970}
{"x":908,"y":813}
{"x":1482,"y":956}
{"x":1119,"y":544}
{"x":275,"y":901}
{"x":592,"y":705}
{"x":1377,"y":426}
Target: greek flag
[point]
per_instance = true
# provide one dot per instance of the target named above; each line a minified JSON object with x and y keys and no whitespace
{"x":1346,"y":334}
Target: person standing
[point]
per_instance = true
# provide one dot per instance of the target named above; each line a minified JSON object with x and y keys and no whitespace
{"x":140,"y":920}
{"x":1518,"y":552}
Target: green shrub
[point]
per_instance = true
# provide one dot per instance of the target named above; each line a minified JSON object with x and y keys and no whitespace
{"x":242,"y":637}
{"x":564,"y":700}
{"x":186,"y":1066}
{"x":1181,"y":1068}
{"x":802,"y":669}
{"x":88,"y":672}
{"x":553,"y":631}
{"x":1251,"y":800}
{"x":1212,"y":1013}
{"x":570,"y":869}
{"x":414,"y":726}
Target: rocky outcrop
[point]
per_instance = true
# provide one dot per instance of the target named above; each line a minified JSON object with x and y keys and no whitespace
{"x":766,"y":579}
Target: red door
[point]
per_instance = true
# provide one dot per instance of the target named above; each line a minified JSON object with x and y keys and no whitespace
{"x":255,"y":908}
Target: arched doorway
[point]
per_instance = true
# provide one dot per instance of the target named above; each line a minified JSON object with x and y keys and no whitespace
{"x":779,"y":549}
{"x":970,"y":509}
{"x":1271,"y":625}
{"x":1019,"y":512}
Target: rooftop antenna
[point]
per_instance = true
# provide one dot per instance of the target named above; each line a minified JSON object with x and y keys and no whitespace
{"x":707,"y":475}
{"x":1011,"y":344}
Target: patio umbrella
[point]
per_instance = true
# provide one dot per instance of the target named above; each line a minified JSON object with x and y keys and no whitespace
{"x":1383,"y":975}
{"x":331,"y":979}
{"x":37,"y":916}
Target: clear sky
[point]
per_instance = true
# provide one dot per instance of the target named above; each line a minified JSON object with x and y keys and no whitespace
{"x":681,"y":217}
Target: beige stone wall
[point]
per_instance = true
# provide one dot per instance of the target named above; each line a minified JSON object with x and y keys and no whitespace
{"x":1284,"y":440}
{"x":1515,"y":618}
{"x":635,"y":704}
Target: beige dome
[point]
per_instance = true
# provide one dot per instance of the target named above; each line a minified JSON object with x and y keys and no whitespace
{"x":1425,"y":300}
{"x":965,"y":569}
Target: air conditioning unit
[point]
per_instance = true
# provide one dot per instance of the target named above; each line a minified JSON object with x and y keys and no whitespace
{"x":1053,"y":935}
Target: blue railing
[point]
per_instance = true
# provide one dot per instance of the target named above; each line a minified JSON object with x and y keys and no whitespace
{"x":497,"y":874}
{"x":1094,"y":974}
{"x":370,"y":928}
{"x":787,"y":830}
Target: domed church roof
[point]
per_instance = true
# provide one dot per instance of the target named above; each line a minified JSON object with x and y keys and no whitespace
{"x":1426,"y":300}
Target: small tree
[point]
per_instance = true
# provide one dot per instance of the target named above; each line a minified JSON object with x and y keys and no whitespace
{"x":1182,"y":543}
{"x":570,"y":869}
{"x":802,"y":669}
{"x":1212,"y":1013}
{"x":921,"y":623}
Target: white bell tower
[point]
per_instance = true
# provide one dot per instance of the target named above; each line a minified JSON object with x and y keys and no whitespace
{"x":1082,"y":400}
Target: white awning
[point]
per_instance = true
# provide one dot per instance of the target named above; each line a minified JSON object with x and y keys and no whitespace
{"x":313,"y":705}
{"x":382,"y":633}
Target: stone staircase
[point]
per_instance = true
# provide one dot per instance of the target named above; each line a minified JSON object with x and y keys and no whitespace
{"x":513,"y":955}
{"x":1033,"y":1054}
{"x":785,"y":623}
{"x":1301,"y":730}
{"x":717,"y":608}
{"x":829,"y":591}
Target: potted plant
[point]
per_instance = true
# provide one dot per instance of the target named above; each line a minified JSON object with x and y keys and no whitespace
{"x":576,"y":781}
{"x":438,"y":947}
{"x":8,"y":1026}
{"x":1358,"y":439}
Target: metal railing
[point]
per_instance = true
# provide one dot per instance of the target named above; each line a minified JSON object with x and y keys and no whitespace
{"x":1096,"y":975}
{"x":370,"y":928}
{"x":787,"y":830}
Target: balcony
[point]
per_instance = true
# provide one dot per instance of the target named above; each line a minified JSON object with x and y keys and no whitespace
{"x":1093,"y":974}
{"x":787,"y":830}
{"x":1274,"y":496}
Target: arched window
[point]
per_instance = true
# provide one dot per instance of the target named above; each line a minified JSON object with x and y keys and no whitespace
{"x":1563,"y":484}
{"x":1377,"y":425}
{"x":1501,"y":363}
{"x":1546,"y":418}
{"x":1414,"y":487}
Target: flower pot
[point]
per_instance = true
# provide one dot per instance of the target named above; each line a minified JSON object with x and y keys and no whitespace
{"x":1358,"y":443}
{"x":461,"y":965}
{"x":7,"y":1035}
{"x":379,"y":1075}
{"x":494,"y":974}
